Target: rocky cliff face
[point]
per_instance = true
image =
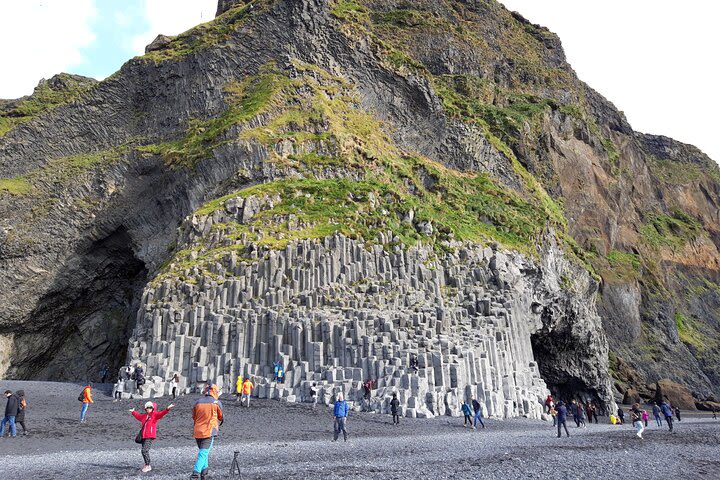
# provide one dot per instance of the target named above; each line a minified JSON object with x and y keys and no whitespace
{"x":448,"y":123}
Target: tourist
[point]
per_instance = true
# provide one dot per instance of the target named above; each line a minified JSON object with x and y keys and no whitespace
{"x":621,"y":416}
{"x":576,"y":411}
{"x":478,"y":413}
{"x":395,"y":409}
{"x":247,"y":388}
{"x":174,"y":384}
{"x":340,"y":413}
{"x":549,"y":403}
{"x":714,"y":411}
{"x":104,"y":371}
{"x":636,"y":418}
{"x":467,"y":411}
{"x":148,"y":431}
{"x":656,"y":413}
{"x":677,"y":414}
{"x":595,"y":413}
{"x":414,"y":362}
{"x":276,"y":368}
{"x":645,"y":417}
{"x":314,"y":394}
{"x":207,"y":417}
{"x":118,"y":389}
{"x":22,"y":406}
{"x":667,"y":411}
{"x":238,"y":388}
{"x":281,"y":374}
{"x":139,"y":377}
{"x":553,"y":414}
{"x":562,"y":418}
{"x":590,"y":412}
{"x":11,"y":410}
{"x":86,"y":398}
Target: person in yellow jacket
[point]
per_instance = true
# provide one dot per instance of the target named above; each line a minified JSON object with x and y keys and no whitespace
{"x":238,"y":388}
{"x":247,"y":388}
{"x":86,"y":398}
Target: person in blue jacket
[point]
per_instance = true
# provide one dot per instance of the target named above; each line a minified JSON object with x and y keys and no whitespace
{"x":340,"y":413}
{"x":656,"y":413}
{"x":468,"y":414}
{"x":668,"y":413}
{"x":561,"y":418}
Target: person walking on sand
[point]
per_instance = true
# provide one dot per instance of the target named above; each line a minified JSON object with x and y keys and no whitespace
{"x":656,"y":413}
{"x":340,"y":413}
{"x":478,"y":413}
{"x":677,"y":414}
{"x":22,"y":406}
{"x":148,"y":431}
{"x":645,"y":417}
{"x":11,"y":410}
{"x":562,"y":418}
{"x":86,"y":398}
{"x":636,"y":418}
{"x":667,"y":413}
{"x":247,"y":388}
{"x":207,"y":418}
{"x":395,"y":409}
{"x":467,"y":411}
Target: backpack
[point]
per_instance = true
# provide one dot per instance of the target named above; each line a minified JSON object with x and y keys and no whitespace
{"x":81,"y":397}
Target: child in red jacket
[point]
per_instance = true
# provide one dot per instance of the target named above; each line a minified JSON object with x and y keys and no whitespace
{"x":148,"y":431}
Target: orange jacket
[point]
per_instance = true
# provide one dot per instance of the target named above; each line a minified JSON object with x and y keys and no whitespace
{"x":207,"y":416}
{"x":87,"y":394}
{"x":247,"y":387}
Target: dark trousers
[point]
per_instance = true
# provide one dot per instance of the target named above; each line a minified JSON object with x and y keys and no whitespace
{"x":468,"y":420}
{"x":146,"y":444}
{"x":21,"y":423}
{"x":340,"y":427}
{"x":174,"y":392}
{"x":396,"y":418}
{"x":561,"y":423}
{"x":669,"y":422}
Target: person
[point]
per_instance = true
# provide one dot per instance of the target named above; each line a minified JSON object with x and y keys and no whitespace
{"x":677,"y":414}
{"x":667,"y":413}
{"x":621,"y":416}
{"x":656,"y":413}
{"x":395,"y":409}
{"x":575,"y":410}
{"x":590,"y":412}
{"x":636,"y":418}
{"x":594,"y":412}
{"x":549,"y":403}
{"x":553,"y":414}
{"x":207,"y":418}
{"x":238,"y":388}
{"x":148,"y":431}
{"x":276,"y":369}
{"x":340,"y":413}
{"x":281,"y":374}
{"x":478,"y":413}
{"x":247,"y":388}
{"x":104,"y":373}
{"x":581,"y":414}
{"x":314,"y":394}
{"x":467,"y":411}
{"x":22,"y":406}
{"x":118,"y":389}
{"x":562,"y":418}
{"x":174,"y":384}
{"x":414,"y":364}
{"x":714,"y":410}
{"x":139,"y":377}
{"x":11,"y":410}
{"x":86,"y":401}
{"x":645,"y":417}
{"x":367,"y":388}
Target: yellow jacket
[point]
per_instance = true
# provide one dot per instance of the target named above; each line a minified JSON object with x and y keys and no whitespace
{"x":238,"y":385}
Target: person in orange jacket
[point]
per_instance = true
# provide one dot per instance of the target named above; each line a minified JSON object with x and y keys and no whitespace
{"x":247,"y":388}
{"x":86,"y":401}
{"x":207,"y":417}
{"x":148,"y":432}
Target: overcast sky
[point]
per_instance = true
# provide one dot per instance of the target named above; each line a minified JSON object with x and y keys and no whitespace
{"x":656,"y":60}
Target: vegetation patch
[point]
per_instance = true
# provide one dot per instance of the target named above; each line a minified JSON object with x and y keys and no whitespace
{"x":15,"y":186}
{"x":674,"y":231}
{"x":688,"y":332}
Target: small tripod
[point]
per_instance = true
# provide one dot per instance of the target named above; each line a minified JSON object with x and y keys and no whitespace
{"x":235,"y":467}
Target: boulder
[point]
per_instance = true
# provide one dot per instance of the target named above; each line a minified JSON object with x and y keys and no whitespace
{"x":160,"y":42}
{"x":678,"y":395}
{"x":631,"y":396}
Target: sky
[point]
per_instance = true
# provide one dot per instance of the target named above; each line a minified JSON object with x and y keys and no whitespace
{"x":656,"y":62}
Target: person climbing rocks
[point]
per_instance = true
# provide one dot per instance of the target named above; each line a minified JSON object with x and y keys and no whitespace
{"x":139,"y":377}
{"x":562,"y":418}
{"x":636,"y":418}
{"x":340,"y":413}
{"x":104,"y":372}
{"x":478,"y":413}
{"x":677,"y":414}
{"x":22,"y":406}
{"x":247,"y":388}
{"x":395,"y":409}
{"x":207,"y":418}
{"x":276,"y":368}
{"x":281,"y":374}
{"x":11,"y":410}
{"x":467,"y":411}
{"x":621,"y":416}
{"x":549,"y":403}
{"x":148,"y":431}
{"x":414,"y":363}
{"x":86,"y":398}
{"x":174,"y":384}
{"x":238,"y":388}
{"x":667,"y":412}
{"x":657,"y":414}
{"x":645,"y":417}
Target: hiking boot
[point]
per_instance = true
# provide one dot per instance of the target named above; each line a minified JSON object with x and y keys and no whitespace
{"x":195,"y":475}
{"x":146,"y":469}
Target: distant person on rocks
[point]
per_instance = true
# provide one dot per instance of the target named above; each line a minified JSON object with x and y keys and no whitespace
{"x":139,"y":377}
{"x":148,"y":431}
{"x":11,"y":410}
{"x":478,"y":413}
{"x":22,"y":406}
{"x":621,"y":416}
{"x":207,"y":418}
{"x":314,"y":394}
{"x":247,"y":388}
{"x":174,"y":384}
{"x":276,"y":369}
{"x":667,"y":412}
{"x":86,"y":398}
{"x":281,"y":374}
{"x":395,"y":409}
{"x":238,"y":388}
{"x":340,"y":413}
{"x":677,"y":414}
{"x":636,"y":418}
{"x":414,"y":363}
{"x":562,"y":418}
{"x":645,"y":417}
{"x":467,"y":411}
{"x":118,"y":389}
{"x":549,"y":403}
{"x":104,"y":373}
{"x":657,"y":414}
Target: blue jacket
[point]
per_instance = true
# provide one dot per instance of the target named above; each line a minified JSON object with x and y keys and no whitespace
{"x":666,"y":410}
{"x":341,"y":409}
{"x":561,"y":412}
{"x":656,"y":410}
{"x":466,"y":409}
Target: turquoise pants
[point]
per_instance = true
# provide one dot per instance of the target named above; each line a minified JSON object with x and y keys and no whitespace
{"x":205,"y":445}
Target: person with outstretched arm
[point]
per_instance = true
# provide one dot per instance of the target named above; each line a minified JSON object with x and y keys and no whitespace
{"x":340,"y":413}
{"x":148,"y":431}
{"x":207,"y":417}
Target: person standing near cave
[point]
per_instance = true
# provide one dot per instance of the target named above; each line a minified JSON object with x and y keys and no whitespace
{"x":104,"y":372}
{"x":562,"y":418}
{"x":656,"y":413}
{"x":645,"y":417}
{"x":621,"y":415}
{"x":589,"y":411}
{"x":667,"y":411}
{"x":174,"y":385}
{"x":636,"y":418}
{"x":549,"y":403}
{"x":576,"y":411}
{"x":395,"y":409}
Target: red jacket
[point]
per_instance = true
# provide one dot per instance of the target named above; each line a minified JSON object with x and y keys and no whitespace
{"x":150,"y":421}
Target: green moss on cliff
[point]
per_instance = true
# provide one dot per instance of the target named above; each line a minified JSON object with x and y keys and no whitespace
{"x":660,"y":230}
{"x":15,"y":186}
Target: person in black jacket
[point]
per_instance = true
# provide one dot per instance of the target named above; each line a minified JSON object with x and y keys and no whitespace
{"x":22,"y":405}
{"x":395,"y":409}
{"x":478,"y":414}
{"x":11,"y":410}
{"x":562,"y":418}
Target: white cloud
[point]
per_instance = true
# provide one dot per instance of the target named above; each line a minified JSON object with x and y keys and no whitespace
{"x":656,"y":60}
{"x":170,"y":17}
{"x":40,"y":39}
